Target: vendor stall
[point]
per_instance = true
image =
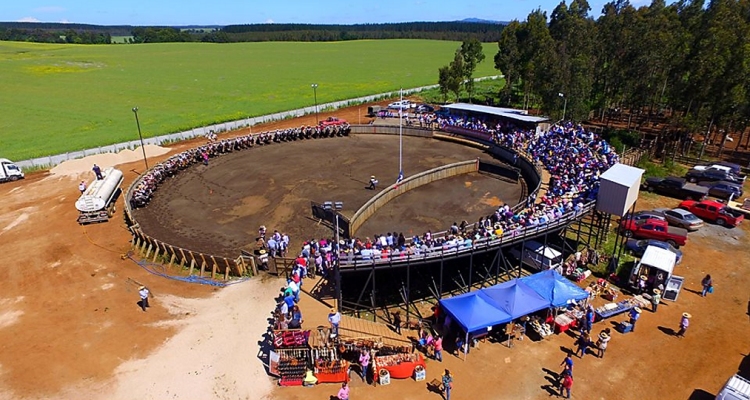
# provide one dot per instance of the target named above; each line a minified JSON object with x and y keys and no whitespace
{"x":611,"y":309}
{"x":399,"y":365}
{"x":329,"y":367}
{"x":289,"y":365}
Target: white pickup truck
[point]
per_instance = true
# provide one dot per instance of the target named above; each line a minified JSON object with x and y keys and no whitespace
{"x":9,"y":171}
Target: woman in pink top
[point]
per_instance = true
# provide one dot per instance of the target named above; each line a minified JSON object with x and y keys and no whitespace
{"x":343,"y":392}
{"x":438,"y":343}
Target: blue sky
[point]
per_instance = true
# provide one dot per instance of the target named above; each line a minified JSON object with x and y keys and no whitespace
{"x":224,"y":12}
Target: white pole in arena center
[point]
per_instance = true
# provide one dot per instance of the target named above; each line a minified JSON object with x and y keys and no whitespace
{"x":400,"y":133}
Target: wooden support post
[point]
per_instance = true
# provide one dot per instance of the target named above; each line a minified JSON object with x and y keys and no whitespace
{"x":156,"y":251}
{"x":226,"y":272}
{"x":174,"y":255}
{"x":150,"y":246}
{"x":254,"y":267}
{"x":137,"y":241}
{"x":184,"y":261}
{"x":213,"y":271}
{"x":192,"y":266}
{"x":203,"y":268}
{"x":143,"y":247}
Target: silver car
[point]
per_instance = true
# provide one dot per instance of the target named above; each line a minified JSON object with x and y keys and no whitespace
{"x":682,"y":218}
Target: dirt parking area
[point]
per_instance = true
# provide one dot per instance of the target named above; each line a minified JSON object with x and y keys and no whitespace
{"x":70,"y":326}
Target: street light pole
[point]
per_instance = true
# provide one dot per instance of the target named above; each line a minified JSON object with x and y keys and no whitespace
{"x":315,"y":97}
{"x":565,"y":105}
{"x":140,"y":136}
{"x":335,"y":207}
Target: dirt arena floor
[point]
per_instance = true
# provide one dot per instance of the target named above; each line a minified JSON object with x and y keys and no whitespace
{"x":218,"y":208}
{"x":70,"y":327}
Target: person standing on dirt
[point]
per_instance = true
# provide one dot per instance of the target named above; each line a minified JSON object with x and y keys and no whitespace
{"x":707,"y":284}
{"x":334,"y":318}
{"x":684,"y":323}
{"x":635,"y":313}
{"x":343,"y":392}
{"x":82,"y":186}
{"x":438,"y":348}
{"x":397,"y":322}
{"x":567,"y":385}
{"x":144,"y":293}
{"x":97,"y":172}
{"x":655,"y":299}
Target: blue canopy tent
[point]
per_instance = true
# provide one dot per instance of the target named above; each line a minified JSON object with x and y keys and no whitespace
{"x":515,"y":298}
{"x":473,"y":312}
{"x":554,"y":287}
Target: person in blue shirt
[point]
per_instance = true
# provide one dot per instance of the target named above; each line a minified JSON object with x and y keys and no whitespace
{"x":635,"y":313}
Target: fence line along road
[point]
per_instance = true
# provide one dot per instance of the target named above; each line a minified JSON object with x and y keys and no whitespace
{"x":53,"y":160}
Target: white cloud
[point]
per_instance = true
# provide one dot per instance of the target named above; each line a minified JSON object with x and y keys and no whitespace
{"x":64,"y":21}
{"x":28,"y":19}
{"x":269,"y":21}
{"x":49,"y":9}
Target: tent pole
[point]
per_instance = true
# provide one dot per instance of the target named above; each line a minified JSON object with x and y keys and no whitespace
{"x":466,"y":345}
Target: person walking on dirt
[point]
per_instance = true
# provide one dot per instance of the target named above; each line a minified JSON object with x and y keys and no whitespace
{"x":373,"y":182}
{"x":144,"y":293}
{"x":397,"y":322}
{"x":447,"y":385}
{"x":82,"y":186}
{"x":97,"y":172}
{"x":684,"y":323}
{"x":583,"y":344}
{"x":568,"y":363}
{"x":567,"y":385}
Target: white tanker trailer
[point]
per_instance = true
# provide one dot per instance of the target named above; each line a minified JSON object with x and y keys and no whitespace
{"x":97,"y":203}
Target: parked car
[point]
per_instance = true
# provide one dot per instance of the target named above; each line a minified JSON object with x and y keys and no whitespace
{"x":682,"y":218}
{"x":714,"y":211}
{"x":674,"y":187}
{"x":644,"y":215}
{"x":400,"y":105}
{"x":695,"y":175}
{"x":731,"y":167}
{"x":424,"y":108}
{"x":637,"y":247}
{"x":654,"y":229}
{"x":723,"y":190}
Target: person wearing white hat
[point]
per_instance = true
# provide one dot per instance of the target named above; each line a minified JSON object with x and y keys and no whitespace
{"x":144,"y":293}
{"x":684,"y":323}
{"x":635,"y":313}
{"x":655,"y":299}
{"x":373,"y":182}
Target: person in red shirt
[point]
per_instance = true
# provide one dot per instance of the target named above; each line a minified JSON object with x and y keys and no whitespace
{"x":567,"y":385}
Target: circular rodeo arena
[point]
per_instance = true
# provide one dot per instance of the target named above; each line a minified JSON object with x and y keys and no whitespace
{"x":216,"y":208}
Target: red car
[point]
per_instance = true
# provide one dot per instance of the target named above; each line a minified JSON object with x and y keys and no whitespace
{"x":332,"y":121}
{"x":713,"y":211}
{"x":654,"y":229}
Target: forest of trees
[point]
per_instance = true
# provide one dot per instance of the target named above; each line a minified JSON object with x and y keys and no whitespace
{"x":85,"y":34}
{"x":688,"y":57}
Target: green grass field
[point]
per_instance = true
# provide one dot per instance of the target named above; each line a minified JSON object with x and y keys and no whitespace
{"x":60,"y":98}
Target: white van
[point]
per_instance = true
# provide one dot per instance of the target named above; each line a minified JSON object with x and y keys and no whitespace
{"x":657,"y":265}
{"x":736,"y":388}
{"x":539,"y":256}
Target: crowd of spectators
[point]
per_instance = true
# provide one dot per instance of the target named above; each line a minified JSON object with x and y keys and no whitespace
{"x":574,"y":157}
{"x":148,"y":184}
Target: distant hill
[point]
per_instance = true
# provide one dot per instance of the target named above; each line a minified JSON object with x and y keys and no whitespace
{"x":483,"y":21}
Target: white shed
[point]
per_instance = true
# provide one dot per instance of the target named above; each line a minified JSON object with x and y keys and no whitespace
{"x":618,"y":189}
